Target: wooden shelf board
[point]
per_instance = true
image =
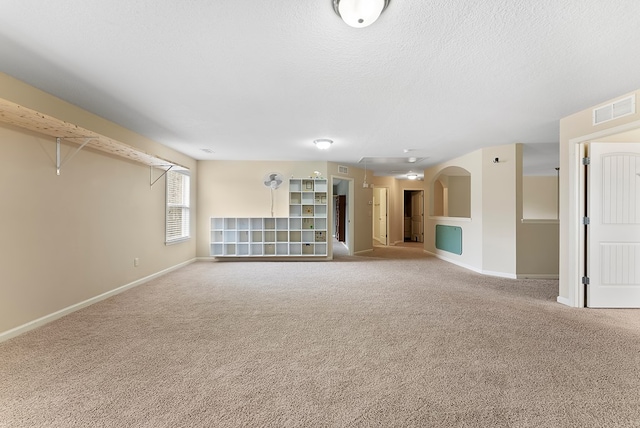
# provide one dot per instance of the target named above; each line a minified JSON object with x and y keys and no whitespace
{"x":23,"y":117}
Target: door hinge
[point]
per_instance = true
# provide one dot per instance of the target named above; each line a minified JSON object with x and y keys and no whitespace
{"x":586,"y":221}
{"x":585,"y":280}
{"x":586,"y":160}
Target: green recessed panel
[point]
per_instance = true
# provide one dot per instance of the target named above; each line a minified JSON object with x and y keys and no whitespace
{"x":449,"y":238}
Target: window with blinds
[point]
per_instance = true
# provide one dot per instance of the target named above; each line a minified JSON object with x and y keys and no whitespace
{"x":177,"y":215}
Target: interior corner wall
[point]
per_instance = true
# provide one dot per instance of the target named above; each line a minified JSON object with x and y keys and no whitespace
{"x":575,"y":129}
{"x":472,"y":247}
{"x":70,"y":238}
{"x":502,"y":208}
{"x":362,"y":209}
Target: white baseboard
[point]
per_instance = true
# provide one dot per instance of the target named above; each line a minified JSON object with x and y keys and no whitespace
{"x":364,"y":251}
{"x":538,"y":276}
{"x":455,"y":262}
{"x":66,"y":311}
{"x":500,"y":274}
{"x":564,"y":301}
{"x":489,"y":272}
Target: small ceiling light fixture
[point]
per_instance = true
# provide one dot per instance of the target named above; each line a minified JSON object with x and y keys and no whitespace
{"x":412,"y":175}
{"x":323,"y":143}
{"x":359,"y":13}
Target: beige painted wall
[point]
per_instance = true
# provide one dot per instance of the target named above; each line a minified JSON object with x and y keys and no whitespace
{"x":495,"y":241}
{"x":362,"y":211}
{"x":235,"y":189}
{"x":471,"y":256}
{"x":459,"y":196}
{"x":538,"y":250}
{"x":539,"y":197}
{"x":69,"y":238}
{"x":396,"y":190}
{"x":501,"y":206}
{"x":574,"y":129}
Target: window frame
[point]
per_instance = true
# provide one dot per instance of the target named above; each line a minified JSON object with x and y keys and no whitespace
{"x":184,"y":205}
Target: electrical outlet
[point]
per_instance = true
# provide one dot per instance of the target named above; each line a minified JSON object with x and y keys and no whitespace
{"x":136,"y":262}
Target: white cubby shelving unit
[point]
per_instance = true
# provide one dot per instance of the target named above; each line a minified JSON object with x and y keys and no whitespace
{"x":303,"y":233}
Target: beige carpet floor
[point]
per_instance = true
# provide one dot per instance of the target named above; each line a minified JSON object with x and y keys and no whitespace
{"x":393,"y":338}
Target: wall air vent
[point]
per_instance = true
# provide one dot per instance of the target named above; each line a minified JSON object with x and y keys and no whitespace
{"x":615,"y":110}
{"x":343,"y":169}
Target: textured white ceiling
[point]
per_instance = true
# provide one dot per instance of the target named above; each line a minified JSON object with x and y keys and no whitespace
{"x":262,"y":80}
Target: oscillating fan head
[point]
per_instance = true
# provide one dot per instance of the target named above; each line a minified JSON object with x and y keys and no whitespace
{"x":273,"y":180}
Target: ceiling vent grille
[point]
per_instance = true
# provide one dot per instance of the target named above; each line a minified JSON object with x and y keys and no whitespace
{"x":343,"y":169}
{"x":615,"y":110}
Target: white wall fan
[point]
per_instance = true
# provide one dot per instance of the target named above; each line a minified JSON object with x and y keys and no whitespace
{"x":273,"y":180}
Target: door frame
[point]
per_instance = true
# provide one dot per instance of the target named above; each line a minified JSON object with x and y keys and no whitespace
{"x":386,"y":243}
{"x":598,"y":294}
{"x":577,"y":192}
{"x":350,"y":239}
{"x":422,"y":209}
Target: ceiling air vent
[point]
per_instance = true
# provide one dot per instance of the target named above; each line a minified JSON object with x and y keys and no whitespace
{"x":620,"y":108}
{"x":343,"y":169}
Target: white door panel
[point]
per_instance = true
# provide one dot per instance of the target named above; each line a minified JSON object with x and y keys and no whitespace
{"x":614,"y":230}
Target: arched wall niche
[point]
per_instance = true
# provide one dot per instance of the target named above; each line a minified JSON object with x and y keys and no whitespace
{"x":451,"y":192}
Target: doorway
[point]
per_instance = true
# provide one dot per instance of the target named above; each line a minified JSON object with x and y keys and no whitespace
{"x":343,"y":213}
{"x":413,"y":216}
{"x":340,"y":217}
{"x":613,"y":226}
{"x":380,"y":221}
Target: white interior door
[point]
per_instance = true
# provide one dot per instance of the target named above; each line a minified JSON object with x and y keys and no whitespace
{"x":613,"y":260}
{"x":417,"y":216}
{"x":383,"y":216}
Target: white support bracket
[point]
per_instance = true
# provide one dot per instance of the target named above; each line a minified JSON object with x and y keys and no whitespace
{"x":151,"y":180}
{"x":59,"y":161}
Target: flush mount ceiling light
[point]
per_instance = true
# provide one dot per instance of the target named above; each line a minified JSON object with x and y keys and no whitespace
{"x":323,"y":143}
{"x":412,"y":176}
{"x":359,"y":13}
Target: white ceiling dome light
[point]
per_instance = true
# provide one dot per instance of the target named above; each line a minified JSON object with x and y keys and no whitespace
{"x":412,"y":175}
{"x":323,"y":143}
{"x":359,"y":13}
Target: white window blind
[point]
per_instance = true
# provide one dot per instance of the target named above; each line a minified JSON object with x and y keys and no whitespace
{"x":177,"y":215}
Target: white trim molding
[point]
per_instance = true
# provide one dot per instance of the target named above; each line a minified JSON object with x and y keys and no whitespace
{"x":493,"y":273}
{"x":451,"y":219}
{"x":9,"y":334}
{"x":364,"y":251}
{"x":455,"y":262}
{"x":537,"y":276}
{"x":500,"y":274}
{"x":564,"y":301}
